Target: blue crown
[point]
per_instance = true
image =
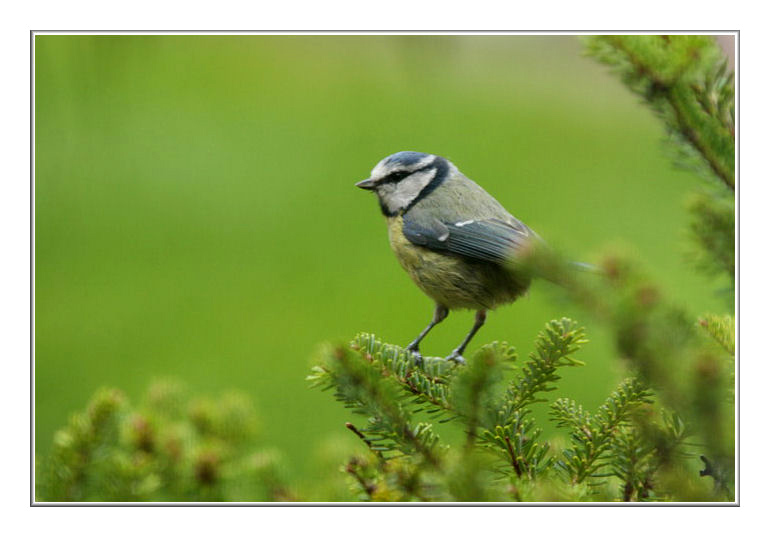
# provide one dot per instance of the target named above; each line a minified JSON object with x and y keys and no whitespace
{"x":405,"y":158}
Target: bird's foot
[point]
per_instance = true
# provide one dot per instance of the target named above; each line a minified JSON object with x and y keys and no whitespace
{"x":456,"y":357}
{"x":415,"y":350}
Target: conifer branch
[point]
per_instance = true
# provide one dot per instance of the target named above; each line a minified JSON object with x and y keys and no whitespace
{"x":170,"y":447}
{"x":712,"y":230}
{"x":632,"y":464}
{"x":721,"y":329}
{"x":355,"y":467}
{"x":473,"y":393}
{"x":658,"y":341}
{"x":360,"y":385}
{"x":427,"y":382}
{"x":553,"y":349}
{"x":592,"y":435}
{"x":643,"y":450}
{"x":512,"y":431}
{"x":685,"y":80}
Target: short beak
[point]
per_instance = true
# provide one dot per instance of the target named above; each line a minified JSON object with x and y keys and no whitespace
{"x":367,"y":184}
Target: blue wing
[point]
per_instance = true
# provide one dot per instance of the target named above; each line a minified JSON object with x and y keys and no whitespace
{"x":493,"y":240}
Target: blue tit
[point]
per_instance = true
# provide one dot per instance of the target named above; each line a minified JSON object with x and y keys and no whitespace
{"x":453,"y":238}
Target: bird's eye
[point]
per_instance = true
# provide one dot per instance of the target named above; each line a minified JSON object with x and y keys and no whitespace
{"x":397,"y":176}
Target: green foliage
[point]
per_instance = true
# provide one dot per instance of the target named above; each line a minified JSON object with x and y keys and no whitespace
{"x":354,"y":374}
{"x":660,"y":346}
{"x":613,"y":452}
{"x":721,"y":328}
{"x":592,"y":435}
{"x":553,"y":349}
{"x":514,"y":432}
{"x":685,"y":80}
{"x":168,"y":448}
{"x":643,"y":451}
{"x":712,"y":230}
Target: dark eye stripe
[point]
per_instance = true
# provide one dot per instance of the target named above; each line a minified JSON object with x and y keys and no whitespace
{"x":393,"y":177}
{"x":397,"y":176}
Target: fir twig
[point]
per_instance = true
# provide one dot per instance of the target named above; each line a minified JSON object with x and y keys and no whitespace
{"x":593,"y":434}
{"x":685,"y":79}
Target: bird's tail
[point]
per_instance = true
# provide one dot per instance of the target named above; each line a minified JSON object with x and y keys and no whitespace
{"x":587,"y":267}
{"x":541,"y":261}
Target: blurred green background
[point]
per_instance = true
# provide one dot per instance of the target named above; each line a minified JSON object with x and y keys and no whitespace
{"x":195,"y":214}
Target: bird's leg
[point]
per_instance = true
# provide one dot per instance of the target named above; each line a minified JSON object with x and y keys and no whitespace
{"x":457,"y":353}
{"x":439,"y":315}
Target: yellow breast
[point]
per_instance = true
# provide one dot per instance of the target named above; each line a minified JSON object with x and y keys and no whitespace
{"x":453,"y":281}
{"x":410,"y":256}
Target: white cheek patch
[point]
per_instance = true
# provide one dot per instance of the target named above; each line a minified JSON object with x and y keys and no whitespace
{"x":407,"y":190}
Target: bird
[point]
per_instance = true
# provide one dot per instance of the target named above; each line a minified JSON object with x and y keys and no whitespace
{"x":457,"y":242}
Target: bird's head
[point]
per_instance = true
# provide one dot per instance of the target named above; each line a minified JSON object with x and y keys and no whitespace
{"x":403,"y":178}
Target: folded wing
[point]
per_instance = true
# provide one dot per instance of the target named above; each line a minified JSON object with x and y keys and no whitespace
{"x":492,"y":240}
